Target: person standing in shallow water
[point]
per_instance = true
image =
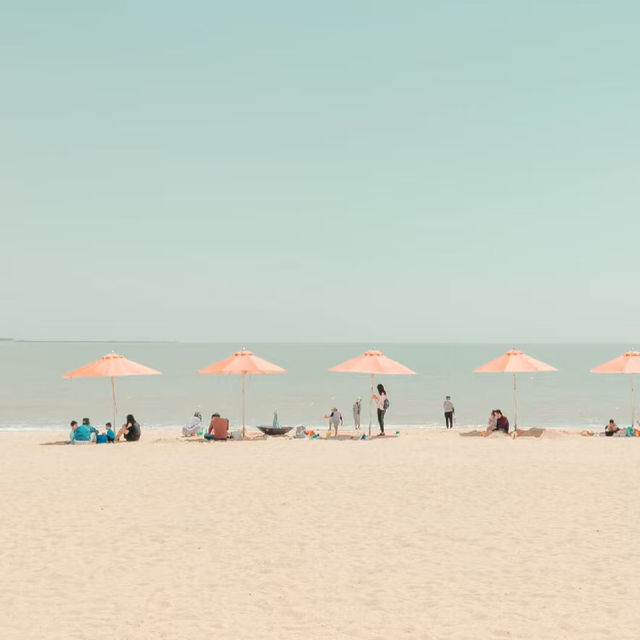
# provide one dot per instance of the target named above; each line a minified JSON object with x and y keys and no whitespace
{"x":383,"y":404}
{"x":449,"y":411}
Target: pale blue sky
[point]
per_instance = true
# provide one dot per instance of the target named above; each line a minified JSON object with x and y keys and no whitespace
{"x":370,"y":171}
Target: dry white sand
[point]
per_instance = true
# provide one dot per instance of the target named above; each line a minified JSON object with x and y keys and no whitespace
{"x":429,"y":535}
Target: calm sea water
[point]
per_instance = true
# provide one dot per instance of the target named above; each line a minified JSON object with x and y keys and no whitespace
{"x":33,"y":394}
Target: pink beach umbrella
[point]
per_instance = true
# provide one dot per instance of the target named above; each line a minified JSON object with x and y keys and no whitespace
{"x":373,"y":362}
{"x":629,"y":363}
{"x":112,"y":365}
{"x":514,"y":362}
{"x":242,"y":363}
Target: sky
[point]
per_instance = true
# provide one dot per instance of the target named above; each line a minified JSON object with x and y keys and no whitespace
{"x":439,"y":171}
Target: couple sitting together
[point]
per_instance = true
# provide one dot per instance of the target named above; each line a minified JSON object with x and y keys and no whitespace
{"x":612,"y":429}
{"x":218,"y":427}
{"x":497,"y":422}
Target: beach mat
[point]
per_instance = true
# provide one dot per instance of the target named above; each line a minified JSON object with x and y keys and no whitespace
{"x":530,"y":433}
{"x":522,"y":433}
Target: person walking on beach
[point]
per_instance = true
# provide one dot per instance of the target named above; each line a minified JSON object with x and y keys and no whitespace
{"x":335,"y":420}
{"x":383,"y":404}
{"x":449,"y":411}
{"x":357,"y":408}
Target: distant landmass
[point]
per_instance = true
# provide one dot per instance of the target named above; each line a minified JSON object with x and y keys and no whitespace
{"x":93,"y":341}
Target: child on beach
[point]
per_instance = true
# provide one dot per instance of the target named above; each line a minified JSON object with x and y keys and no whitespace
{"x":335,"y":419}
{"x":108,"y":435}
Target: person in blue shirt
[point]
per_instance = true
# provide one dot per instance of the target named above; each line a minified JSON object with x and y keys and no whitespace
{"x":83,"y":432}
{"x":111,"y":436}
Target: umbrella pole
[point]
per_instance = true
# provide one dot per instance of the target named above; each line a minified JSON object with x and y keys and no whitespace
{"x":244,"y":377}
{"x":515,"y":403}
{"x":370,"y":403}
{"x":633,"y":402}
{"x":113,"y":396}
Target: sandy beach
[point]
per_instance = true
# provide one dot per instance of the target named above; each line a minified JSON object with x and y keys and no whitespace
{"x":428,"y":535}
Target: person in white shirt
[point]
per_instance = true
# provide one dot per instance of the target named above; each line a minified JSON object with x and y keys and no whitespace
{"x":383,"y":404}
{"x":194,"y":424}
{"x":357,"y":409}
{"x":449,"y":411}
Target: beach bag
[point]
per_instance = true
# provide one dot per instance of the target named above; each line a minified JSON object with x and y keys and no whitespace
{"x":386,"y":404}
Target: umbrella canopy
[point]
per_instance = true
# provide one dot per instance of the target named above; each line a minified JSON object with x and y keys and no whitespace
{"x":112,"y":365}
{"x":242,"y":363}
{"x":373,"y":362}
{"x":629,"y":363}
{"x":514,"y":361}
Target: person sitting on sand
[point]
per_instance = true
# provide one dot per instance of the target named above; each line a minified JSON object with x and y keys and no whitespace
{"x":83,"y":432}
{"x":502,"y":422}
{"x":218,"y":428}
{"x":335,"y":420}
{"x":130,"y":430}
{"x":612,"y":428}
{"x":111,"y":436}
{"x":212,"y":423}
{"x":491,"y":423}
{"x":193,"y":426}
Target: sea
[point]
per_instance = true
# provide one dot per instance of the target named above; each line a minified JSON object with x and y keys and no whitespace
{"x":34,"y":395}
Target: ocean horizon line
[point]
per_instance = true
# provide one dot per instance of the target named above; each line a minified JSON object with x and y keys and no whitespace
{"x":371,"y":343}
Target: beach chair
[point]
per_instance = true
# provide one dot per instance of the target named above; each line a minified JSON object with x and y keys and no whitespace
{"x":220,"y":429}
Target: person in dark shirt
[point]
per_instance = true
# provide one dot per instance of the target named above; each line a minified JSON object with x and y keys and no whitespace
{"x":130,"y":430}
{"x":612,"y":428}
{"x":502,"y":422}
